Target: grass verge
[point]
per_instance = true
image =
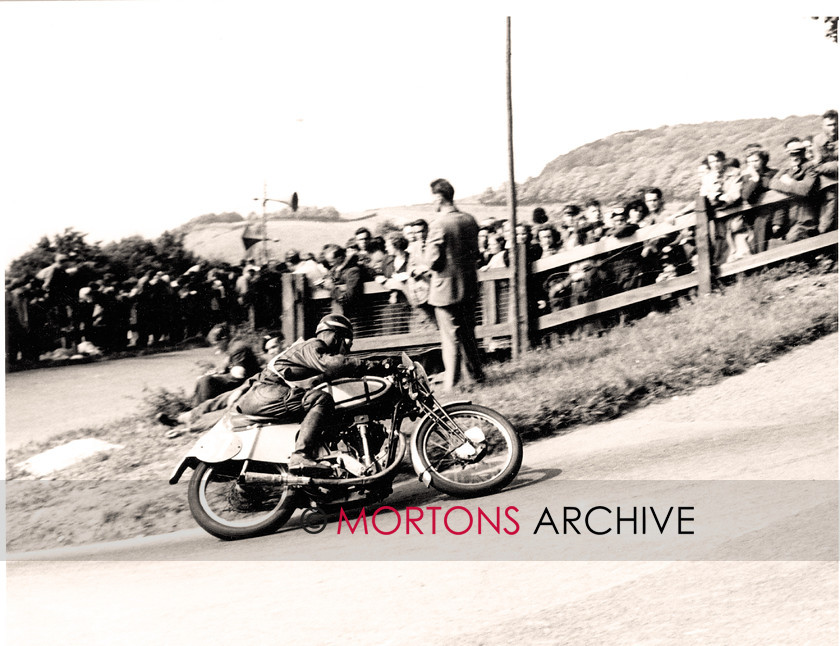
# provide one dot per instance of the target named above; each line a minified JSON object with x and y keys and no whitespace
{"x":546,"y":391}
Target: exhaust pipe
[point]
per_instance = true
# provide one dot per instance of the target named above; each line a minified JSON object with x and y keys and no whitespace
{"x":303,"y":481}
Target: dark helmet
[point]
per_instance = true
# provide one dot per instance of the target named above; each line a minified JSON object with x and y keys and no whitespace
{"x":337,"y":323}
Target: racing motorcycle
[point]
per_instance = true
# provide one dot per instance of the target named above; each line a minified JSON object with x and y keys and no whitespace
{"x":241,"y":485}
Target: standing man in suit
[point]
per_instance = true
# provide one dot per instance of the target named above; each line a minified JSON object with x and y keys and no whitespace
{"x":452,"y":256}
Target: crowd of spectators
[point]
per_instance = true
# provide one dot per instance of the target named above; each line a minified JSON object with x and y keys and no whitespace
{"x":62,"y":306}
{"x":68,"y":308}
{"x":627,"y":267}
{"x":809,"y":175}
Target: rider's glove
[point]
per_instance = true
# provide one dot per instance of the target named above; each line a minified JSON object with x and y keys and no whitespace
{"x":378,"y":367}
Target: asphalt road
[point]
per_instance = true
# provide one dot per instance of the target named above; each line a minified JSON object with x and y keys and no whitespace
{"x":754,"y":459}
{"x":91,"y":393}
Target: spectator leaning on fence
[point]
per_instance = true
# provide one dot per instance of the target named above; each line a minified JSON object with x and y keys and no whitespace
{"x":825,"y":164}
{"x":396,"y":262}
{"x":807,"y":142}
{"x":345,"y":281}
{"x":755,"y":182}
{"x":548,"y":239}
{"x":711,"y":183}
{"x":497,"y":254}
{"x":362,"y":239}
{"x":655,"y":205}
{"x":580,"y":230}
{"x":799,"y":180}
{"x":568,"y":225}
{"x":395,"y":277}
{"x":418,"y":276}
{"x":702,"y":171}
{"x":713,"y":188}
{"x":637,"y":213}
{"x":376,"y":256}
{"x":419,"y":232}
{"x":595,"y":229}
{"x":625,"y":264}
{"x":739,"y":234}
{"x":483,"y":238}
{"x":524,"y":237}
{"x":674,"y":249}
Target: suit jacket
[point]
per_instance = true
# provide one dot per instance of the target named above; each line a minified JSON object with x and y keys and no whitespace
{"x":452,"y":256}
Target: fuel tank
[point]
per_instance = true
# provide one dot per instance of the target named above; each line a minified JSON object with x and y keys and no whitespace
{"x":356,"y":392}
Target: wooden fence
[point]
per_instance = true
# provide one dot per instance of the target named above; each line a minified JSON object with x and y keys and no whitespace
{"x":385,"y":327}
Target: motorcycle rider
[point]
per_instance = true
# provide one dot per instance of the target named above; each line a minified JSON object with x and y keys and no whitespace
{"x":284,"y":389}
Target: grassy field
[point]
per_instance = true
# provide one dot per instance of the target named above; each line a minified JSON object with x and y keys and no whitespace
{"x":224,"y":241}
{"x":546,"y":391}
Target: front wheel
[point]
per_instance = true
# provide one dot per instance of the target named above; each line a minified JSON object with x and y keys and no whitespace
{"x":231,"y":511}
{"x":483,"y":466}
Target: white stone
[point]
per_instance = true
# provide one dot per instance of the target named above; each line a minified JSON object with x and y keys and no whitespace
{"x":65,"y":455}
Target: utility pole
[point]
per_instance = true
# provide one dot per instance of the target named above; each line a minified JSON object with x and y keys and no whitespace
{"x":265,"y":225}
{"x":518,"y":289}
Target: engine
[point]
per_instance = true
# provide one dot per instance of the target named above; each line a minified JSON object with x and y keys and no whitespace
{"x":361,"y":443}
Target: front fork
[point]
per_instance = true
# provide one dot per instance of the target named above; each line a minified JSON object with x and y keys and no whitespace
{"x":458,"y":437}
{"x":443,"y":419}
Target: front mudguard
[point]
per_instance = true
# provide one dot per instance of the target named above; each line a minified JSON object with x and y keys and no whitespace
{"x":419,"y":469}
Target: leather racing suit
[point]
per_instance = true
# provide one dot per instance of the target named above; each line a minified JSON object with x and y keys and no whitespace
{"x":283,"y":390}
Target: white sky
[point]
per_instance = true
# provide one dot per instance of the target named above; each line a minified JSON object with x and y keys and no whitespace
{"x":133,"y":117}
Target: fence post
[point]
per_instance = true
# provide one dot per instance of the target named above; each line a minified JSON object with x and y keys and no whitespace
{"x":525,"y":310}
{"x":489,"y":307}
{"x":704,"y":252}
{"x":295,"y":296}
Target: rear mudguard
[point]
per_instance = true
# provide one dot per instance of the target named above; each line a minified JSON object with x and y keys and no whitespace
{"x":419,"y":469}
{"x":271,"y":443}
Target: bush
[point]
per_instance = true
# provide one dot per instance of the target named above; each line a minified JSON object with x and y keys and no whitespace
{"x":158,"y":401}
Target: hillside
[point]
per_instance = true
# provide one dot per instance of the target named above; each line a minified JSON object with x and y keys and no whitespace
{"x":614,"y":167}
{"x":223,"y":241}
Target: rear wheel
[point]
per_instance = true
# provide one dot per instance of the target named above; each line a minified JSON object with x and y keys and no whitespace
{"x":476,"y":468}
{"x":231,"y":511}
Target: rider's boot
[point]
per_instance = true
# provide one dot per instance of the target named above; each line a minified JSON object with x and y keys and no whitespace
{"x":320,"y":406}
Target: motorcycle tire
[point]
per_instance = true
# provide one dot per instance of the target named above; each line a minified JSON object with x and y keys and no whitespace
{"x":231,"y":512}
{"x":497,"y":467}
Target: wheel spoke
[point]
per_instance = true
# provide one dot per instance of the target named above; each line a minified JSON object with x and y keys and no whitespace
{"x":234,"y":505}
{"x":439,"y":450}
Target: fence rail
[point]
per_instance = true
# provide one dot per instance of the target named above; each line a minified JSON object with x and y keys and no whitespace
{"x":384,"y":326}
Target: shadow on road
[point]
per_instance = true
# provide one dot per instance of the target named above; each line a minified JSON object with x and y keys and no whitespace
{"x":414,"y":494}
